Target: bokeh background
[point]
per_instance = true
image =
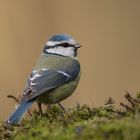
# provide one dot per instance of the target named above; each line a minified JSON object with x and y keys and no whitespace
{"x":109,"y":31}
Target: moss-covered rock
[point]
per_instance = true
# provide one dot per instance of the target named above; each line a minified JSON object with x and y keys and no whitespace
{"x":80,"y":123}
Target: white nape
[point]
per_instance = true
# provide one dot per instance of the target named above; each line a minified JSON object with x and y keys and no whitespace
{"x":65,"y":51}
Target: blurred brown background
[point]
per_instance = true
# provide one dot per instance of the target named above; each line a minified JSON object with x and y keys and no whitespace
{"x":109,"y":32}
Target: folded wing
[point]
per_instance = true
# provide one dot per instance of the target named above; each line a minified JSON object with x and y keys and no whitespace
{"x":48,"y":79}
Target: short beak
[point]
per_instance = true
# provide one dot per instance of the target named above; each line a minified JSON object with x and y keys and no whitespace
{"x":78,"y":45}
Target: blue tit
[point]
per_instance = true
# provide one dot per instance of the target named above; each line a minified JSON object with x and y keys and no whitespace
{"x":55,"y":76}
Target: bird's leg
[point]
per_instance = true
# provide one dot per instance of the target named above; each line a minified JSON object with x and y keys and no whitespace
{"x":40,"y":109}
{"x":62,"y":107}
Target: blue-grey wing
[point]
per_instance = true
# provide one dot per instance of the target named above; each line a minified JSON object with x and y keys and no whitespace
{"x":47,"y":79}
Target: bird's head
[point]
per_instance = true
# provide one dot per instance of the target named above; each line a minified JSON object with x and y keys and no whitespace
{"x":62,"y":44}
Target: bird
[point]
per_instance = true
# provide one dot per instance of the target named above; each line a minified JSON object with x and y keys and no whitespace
{"x":55,"y":76}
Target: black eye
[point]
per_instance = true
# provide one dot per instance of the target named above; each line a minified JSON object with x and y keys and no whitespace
{"x":65,"y":44}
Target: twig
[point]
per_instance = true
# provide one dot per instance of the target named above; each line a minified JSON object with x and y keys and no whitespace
{"x":13,"y":97}
{"x":110,"y":101}
{"x":127,"y":107}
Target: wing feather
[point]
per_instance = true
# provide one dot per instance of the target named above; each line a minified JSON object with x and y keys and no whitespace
{"x":48,"y":79}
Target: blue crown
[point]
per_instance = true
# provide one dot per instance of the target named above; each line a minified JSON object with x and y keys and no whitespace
{"x":60,"y":37}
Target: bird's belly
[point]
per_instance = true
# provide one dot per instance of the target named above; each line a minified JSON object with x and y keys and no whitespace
{"x":59,"y":94}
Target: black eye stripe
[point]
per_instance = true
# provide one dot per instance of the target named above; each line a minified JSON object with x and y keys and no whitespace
{"x":61,"y":44}
{"x":65,"y":45}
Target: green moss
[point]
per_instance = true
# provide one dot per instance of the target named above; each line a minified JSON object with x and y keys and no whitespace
{"x":80,"y":123}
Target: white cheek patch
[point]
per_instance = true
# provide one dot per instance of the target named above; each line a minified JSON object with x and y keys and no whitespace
{"x":68,"y":51}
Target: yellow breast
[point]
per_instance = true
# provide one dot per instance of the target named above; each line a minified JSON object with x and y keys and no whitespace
{"x":60,"y":93}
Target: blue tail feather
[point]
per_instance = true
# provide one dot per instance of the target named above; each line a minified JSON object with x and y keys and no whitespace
{"x":16,"y":116}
